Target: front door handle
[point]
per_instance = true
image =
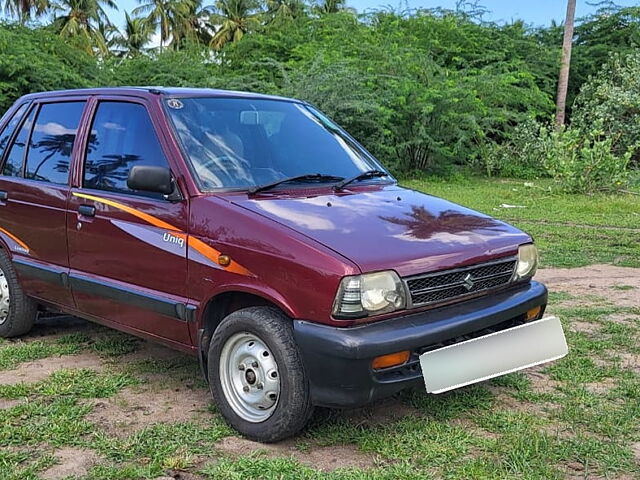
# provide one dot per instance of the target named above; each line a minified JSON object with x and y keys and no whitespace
{"x":4,"y":196}
{"x":87,"y":210}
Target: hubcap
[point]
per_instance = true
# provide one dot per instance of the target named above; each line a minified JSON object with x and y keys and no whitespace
{"x":249,"y":377}
{"x":5,"y":298}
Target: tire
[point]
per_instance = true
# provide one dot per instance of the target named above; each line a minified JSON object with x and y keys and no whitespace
{"x":250,"y":345}
{"x":22,"y":310}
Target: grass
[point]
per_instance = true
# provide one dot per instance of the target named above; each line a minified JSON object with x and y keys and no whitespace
{"x":579,"y":416}
{"x":571,"y":230}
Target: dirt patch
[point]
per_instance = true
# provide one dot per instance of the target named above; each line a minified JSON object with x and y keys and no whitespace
{"x":325,"y":459}
{"x":624,"y":318}
{"x":37,"y":370}
{"x":540,"y":382}
{"x":595,"y":279}
{"x":74,"y":462}
{"x":148,"y":350}
{"x":584,"y":327}
{"x":381,"y":412}
{"x":630,"y":361}
{"x":135,"y":408}
{"x":8,"y":403}
{"x":635,"y":450}
{"x":601,"y":388}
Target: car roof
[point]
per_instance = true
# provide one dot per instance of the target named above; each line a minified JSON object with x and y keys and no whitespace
{"x":152,"y":91}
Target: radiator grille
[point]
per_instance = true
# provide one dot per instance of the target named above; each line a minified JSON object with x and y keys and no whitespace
{"x":450,"y":284}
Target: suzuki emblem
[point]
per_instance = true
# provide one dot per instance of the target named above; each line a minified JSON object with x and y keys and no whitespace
{"x":468,"y":282}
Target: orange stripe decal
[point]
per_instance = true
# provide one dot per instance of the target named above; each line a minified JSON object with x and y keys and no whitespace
{"x":198,"y":245}
{"x":156,"y":222}
{"x":213,"y":254}
{"x":15,"y":239}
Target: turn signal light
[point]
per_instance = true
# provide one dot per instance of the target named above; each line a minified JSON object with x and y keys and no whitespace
{"x":391,"y":360}
{"x":534,"y":313}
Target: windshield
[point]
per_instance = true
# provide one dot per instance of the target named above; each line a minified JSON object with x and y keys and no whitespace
{"x":243,"y":143}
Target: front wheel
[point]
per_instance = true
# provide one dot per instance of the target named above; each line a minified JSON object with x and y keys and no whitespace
{"x":256,"y":375}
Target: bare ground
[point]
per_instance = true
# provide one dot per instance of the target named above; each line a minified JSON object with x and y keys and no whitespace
{"x":162,"y":400}
{"x":37,"y":370}
{"x":74,"y":462}
{"x":318,"y":457}
{"x":605,"y":281}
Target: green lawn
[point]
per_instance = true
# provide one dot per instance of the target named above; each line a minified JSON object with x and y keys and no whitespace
{"x":119,"y":404}
{"x":571,"y":230}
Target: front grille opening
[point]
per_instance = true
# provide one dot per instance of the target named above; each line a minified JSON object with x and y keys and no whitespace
{"x":451,"y":284}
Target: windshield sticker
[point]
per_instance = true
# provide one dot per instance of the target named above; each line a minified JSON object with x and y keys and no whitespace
{"x":175,"y":104}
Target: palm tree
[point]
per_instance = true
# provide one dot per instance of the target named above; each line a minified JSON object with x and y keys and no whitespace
{"x":563,"y":81}
{"x":189,"y":21}
{"x":158,"y":14}
{"x":84,"y":21}
{"x":23,"y":10}
{"x":331,"y":6}
{"x":283,"y":10}
{"x":136,"y":35}
{"x":233,"y":18}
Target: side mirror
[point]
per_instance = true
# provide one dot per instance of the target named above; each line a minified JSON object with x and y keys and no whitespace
{"x":150,"y":179}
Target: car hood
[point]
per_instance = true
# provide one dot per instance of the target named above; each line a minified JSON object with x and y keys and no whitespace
{"x":390,"y":227}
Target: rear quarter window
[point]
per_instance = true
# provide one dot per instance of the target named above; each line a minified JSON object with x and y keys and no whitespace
{"x":15,"y":156}
{"x":9,"y":128}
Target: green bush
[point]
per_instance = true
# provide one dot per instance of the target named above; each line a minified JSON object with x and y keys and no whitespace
{"x":610,"y":104}
{"x":522,"y":155}
{"x":584,"y":162}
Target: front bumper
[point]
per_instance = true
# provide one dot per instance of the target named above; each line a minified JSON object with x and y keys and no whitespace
{"x":338,"y":360}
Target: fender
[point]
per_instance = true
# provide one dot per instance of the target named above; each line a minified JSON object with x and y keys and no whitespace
{"x":267,"y":293}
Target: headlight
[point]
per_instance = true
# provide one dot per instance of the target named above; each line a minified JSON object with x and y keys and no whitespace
{"x":369,"y":294}
{"x":527,"y":262}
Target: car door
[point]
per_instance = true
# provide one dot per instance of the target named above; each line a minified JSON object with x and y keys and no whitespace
{"x":127,"y":249}
{"x":34,"y":186}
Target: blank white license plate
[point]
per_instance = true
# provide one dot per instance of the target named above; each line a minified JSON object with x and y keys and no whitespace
{"x":493,"y":355}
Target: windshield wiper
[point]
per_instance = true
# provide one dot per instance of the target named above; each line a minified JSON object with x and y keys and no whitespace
{"x":298,"y":178}
{"x":361,"y":176}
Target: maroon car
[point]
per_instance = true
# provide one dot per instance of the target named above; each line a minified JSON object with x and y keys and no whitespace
{"x":254,"y":233}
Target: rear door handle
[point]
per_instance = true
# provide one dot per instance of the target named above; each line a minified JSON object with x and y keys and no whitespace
{"x":87,"y":210}
{"x":4,"y":196}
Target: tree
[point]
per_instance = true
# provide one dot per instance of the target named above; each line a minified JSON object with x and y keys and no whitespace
{"x":83,"y":21}
{"x":331,"y":6}
{"x":284,"y":10}
{"x":135,"y":37}
{"x":23,"y":10}
{"x":157,"y":14}
{"x":563,"y":81}
{"x":33,"y":60}
{"x":233,"y":18}
{"x":188,"y":21}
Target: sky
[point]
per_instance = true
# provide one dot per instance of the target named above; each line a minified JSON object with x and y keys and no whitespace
{"x":535,"y":12}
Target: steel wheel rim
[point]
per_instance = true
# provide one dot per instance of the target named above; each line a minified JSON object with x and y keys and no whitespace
{"x":5,"y":298}
{"x":249,"y":377}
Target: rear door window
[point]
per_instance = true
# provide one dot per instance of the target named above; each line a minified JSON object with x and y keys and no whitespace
{"x":9,"y":128}
{"x":52,"y":140}
{"x":13,"y":163}
{"x":122,"y":136}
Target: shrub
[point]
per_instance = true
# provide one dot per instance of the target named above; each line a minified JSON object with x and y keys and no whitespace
{"x":585,"y":162}
{"x":610,"y":104}
{"x":522,"y":155}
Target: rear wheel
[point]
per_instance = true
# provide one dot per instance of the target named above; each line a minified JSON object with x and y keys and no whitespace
{"x":17,"y":311}
{"x":256,"y":375}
